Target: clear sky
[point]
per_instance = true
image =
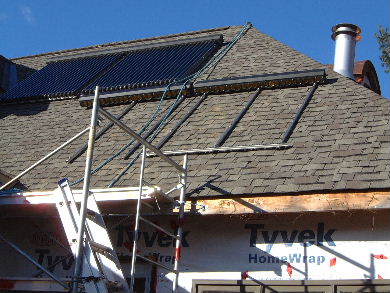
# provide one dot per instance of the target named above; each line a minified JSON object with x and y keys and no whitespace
{"x":35,"y":26}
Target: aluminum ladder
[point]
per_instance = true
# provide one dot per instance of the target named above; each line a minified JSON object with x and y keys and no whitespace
{"x":101,"y":269}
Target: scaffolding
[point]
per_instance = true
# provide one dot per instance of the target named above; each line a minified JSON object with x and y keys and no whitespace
{"x":97,"y":268}
{"x":182,"y":170}
{"x":96,"y":254}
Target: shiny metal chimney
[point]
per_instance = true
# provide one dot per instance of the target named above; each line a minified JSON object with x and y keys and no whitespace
{"x":345,"y":35}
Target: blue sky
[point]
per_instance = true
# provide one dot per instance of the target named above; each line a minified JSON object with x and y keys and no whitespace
{"x":36,"y":26}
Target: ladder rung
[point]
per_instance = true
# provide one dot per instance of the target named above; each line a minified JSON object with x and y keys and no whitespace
{"x":91,"y":212}
{"x":99,"y":247}
{"x":148,"y":205}
{"x":166,"y":196}
{"x":157,"y":263}
{"x":177,"y":187}
{"x":159,"y":228}
{"x":113,"y":286}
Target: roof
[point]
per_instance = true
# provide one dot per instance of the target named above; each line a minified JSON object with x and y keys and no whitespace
{"x":340,"y":143}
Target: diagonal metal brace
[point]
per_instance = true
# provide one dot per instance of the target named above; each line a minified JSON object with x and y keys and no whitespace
{"x":141,"y":140}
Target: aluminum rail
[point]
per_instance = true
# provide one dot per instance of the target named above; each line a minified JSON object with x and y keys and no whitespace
{"x":274,"y":146}
{"x":236,"y":120}
{"x":157,"y":263}
{"x":183,"y":181}
{"x":141,"y":140}
{"x":147,"y":205}
{"x":180,"y":123}
{"x":159,"y":228}
{"x":83,"y":208}
{"x":171,"y":109}
{"x":100,"y":133}
{"x":45,"y":158}
{"x":299,"y":113}
{"x":136,"y":225}
{"x":29,"y":258}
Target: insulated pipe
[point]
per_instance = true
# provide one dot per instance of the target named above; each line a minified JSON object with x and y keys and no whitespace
{"x":345,"y":35}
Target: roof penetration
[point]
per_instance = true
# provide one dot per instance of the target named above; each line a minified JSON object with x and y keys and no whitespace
{"x":133,"y":67}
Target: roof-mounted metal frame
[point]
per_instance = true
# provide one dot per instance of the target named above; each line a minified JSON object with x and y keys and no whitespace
{"x":257,"y":147}
{"x":299,"y":113}
{"x":150,"y":132}
{"x":216,"y":86}
{"x":130,"y":48}
{"x":236,"y":120}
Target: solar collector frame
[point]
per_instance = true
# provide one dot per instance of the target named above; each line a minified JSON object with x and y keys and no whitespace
{"x":139,"y":66}
{"x":62,"y":78}
{"x":157,"y":66}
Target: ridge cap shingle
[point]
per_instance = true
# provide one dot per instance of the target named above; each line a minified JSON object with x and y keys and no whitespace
{"x":104,"y":45}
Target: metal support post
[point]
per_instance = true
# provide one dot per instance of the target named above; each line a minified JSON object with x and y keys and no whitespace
{"x":236,"y":120}
{"x":299,"y":113}
{"x":183,"y":182}
{"x":83,"y":208}
{"x":136,"y":227}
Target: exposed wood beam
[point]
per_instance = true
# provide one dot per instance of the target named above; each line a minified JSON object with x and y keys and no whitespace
{"x":121,"y":200}
{"x":292,"y":203}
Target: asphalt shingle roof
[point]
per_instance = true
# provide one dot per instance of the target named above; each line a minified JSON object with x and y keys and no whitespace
{"x":340,"y":143}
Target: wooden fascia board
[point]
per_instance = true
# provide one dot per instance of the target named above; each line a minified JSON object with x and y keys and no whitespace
{"x":319,"y":202}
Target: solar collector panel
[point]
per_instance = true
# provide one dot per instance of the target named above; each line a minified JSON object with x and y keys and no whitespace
{"x":134,"y":69}
{"x":148,"y":66}
{"x":61,"y":78}
{"x":161,"y":65}
{"x":163,"y":70}
{"x":185,"y":59}
{"x":197,"y":59}
{"x":155,"y":66}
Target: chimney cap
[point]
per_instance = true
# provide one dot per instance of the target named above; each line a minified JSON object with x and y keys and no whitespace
{"x":346,"y":28}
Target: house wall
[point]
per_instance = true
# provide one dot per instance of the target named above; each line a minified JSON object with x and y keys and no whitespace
{"x":315,"y":246}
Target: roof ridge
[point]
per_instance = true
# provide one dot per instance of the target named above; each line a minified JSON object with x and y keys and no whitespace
{"x":124,"y":42}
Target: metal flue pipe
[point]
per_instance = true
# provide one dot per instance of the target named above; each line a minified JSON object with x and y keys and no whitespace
{"x":345,"y":35}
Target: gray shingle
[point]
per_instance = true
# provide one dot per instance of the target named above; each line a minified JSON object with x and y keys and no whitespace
{"x":341,"y":141}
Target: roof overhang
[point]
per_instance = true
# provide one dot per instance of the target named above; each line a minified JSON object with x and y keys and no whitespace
{"x":101,"y":195}
{"x":121,"y":202}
